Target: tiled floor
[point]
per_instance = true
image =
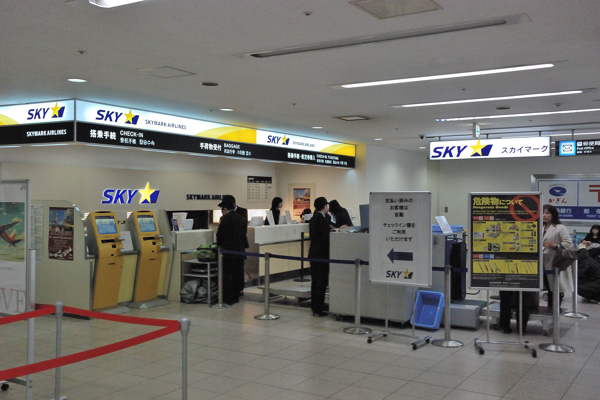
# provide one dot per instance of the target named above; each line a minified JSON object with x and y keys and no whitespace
{"x":232,"y":356}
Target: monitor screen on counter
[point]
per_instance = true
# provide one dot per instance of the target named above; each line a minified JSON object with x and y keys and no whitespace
{"x":146,"y":223}
{"x":106,"y":225}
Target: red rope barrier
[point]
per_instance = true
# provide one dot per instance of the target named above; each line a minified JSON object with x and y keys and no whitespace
{"x":169,"y":326}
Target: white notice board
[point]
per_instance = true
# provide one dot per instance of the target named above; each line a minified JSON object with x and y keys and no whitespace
{"x":400,"y":238}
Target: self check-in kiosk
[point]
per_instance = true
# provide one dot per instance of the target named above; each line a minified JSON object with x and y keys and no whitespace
{"x":106,"y":243}
{"x":148,"y":240}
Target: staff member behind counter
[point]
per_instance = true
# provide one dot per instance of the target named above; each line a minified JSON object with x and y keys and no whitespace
{"x":276,"y":205}
{"x":342,"y":217}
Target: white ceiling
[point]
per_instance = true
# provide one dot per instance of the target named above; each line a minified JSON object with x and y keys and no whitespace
{"x":42,"y":40}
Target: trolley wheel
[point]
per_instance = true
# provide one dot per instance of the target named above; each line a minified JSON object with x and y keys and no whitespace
{"x":428,"y":340}
{"x":534,"y":353}
{"x":414,"y":346}
{"x":481,"y":351}
{"x":369,"y":340}
{"x":4,"y":387}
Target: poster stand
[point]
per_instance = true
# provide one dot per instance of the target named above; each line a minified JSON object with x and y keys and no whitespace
{"x":555,"y":346}
{"x":400,"y":248}
{"x":447,"y":341}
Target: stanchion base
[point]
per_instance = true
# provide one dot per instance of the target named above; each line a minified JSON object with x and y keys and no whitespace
{"x":219,"y":306}
{"x":557,"y":348}
{"x":575,"y":315}
{"x":357,"y":331}
{"x":447,"y":343}
{"x":301,"y":280}
{"x":62,"y":398}
{"x":265,"y":317}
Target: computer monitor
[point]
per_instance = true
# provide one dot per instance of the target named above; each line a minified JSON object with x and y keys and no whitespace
{"x":364,"y":217}
{"x":106,"y":225}
{"x":146,"y":223}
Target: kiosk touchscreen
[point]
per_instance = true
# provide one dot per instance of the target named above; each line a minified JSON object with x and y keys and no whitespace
{"x":106,"y":243}
{"x":150,"y":245}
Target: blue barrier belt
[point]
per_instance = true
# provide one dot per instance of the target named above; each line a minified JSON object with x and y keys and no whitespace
{"x":316,"y":260}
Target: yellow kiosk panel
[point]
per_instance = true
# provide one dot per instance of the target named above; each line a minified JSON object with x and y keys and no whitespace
{"x":150,"y":259}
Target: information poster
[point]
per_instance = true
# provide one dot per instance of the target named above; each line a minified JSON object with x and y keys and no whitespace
{"x":505,"y":241}
{"x":301,"y":201}
{"x":400,"y":238}
{"x":13,"y":266}
{"x":260,"y":189}
{"x":60,"y":235}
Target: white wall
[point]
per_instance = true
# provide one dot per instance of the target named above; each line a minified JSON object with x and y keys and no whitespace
{"x":460,"y":177}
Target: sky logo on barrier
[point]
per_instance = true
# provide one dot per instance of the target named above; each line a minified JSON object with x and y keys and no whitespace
{"x":41,"y":113}
{"x":284,"y":141}
{"x":125,"y":196}
{"x":114,"y":116}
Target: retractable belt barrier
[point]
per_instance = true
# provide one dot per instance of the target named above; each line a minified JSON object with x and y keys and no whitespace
{"x":316,"y":260}
{"x":168,"y":327}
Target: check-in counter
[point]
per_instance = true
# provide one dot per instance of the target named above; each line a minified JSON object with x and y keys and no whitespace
{"x":184,"y":247}
{"x":282,"y":239}
{"x":352,"y":246}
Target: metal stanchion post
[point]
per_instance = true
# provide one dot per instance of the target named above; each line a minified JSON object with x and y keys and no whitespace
{"x":184,"y":327}
{"x":447,"y":342}
{"x":267,"y":315}
{"x":357,"y":329}
{"x":574,"y":313}
{"x":220,"y":303}
{"x":302,"y":278}
{"x":555,"y":346}
{"x":59,"y":312}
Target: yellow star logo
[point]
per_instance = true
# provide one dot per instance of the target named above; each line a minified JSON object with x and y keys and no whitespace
{"x":55,"y":110}
{"x":146,"y":193}
{"x":406,"y":273}
{"x":129,"y":117}
{"x":477,"y":148}
{"x":283,"y":140}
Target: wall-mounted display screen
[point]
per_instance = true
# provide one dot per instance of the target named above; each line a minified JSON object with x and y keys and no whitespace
{"x":146,"y":223}
{"x":106,"y":225}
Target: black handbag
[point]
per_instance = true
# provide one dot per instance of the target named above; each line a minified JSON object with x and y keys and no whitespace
{"x":564,"y":257}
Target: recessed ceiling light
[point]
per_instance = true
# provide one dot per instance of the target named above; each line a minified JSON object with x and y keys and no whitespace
{"x":209,"y":84}
{"x":522,"y":96}
{"x":444,"y":76}
{"x":422,"y":147}
{"x":226,"y":109}
{"x":77,"y":80}
{"x":112,"y":3}
{"x":317,"y":127}
{"x":517,"y":115}
{"x":353,"y":118}
{"x":378,"y":139}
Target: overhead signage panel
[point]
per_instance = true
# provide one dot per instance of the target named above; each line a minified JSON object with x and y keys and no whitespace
{"x":578,"y":147}
{"x":36,"y":113}
{"x":122,"y":117}
{"x":110,"y":135}
{"x":575,"y":199}
{"x":490,"y":148}
{"x":37,"y":133}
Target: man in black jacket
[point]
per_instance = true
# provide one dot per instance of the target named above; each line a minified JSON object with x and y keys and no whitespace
{"x":319,"y":248}
{"x":239,"y":280}
{"x":231,"y":235}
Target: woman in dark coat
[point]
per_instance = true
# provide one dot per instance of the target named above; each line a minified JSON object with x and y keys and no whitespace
{"x":276,"y":205}
{"x":342,"y":217}
{"x":588,"y":276}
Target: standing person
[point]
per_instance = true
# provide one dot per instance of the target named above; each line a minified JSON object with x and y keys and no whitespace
{"x":555,"y":236}
{"x":240,"y":282}
{"x":231,"y":235}
{"x":306,"y":211}
{"x":342,"y":217}
{"x":510,"y":298}
{"x":319,"y":248}
{"x":276,"y":205}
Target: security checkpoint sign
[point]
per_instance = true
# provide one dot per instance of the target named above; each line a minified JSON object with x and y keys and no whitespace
{"x":400,"y":238}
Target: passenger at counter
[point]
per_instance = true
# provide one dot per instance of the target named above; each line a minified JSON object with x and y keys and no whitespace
{"x":342,"y":217}
{"x":305,"y":212}
{"x":276,"y":205}
{"x":231,"y":235}
{"x":555,"y":236}
{"x":239,"y":279}
{"x":319,"y":248}
{"x":591,"y":242}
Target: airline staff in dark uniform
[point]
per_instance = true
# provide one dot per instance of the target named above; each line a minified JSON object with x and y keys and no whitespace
{"x":276,"y":205}
{"x":239,"y":280}
{"x":319,"y":248}
{"x":231,"y":235}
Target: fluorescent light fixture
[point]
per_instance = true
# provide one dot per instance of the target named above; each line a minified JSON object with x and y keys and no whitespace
{"x":112,"y":3}
{"x":77,"y":80}
{"x":522,"y":96}
{"x":201,"y":155}
{"x":422,"y":147}
{"x":518,"y":115}
{"x":317,"y":127}
{"x":319,"y":165}
{"x":444,"y":76}
{"x":226,"y":109}
{"x":378,"y":139}
{"x":50,"y":144}
{"x":271,"y":161}
{"x":296,"y":163}
{"x":7,"y":147}
{"x":110,"y":147}
{"x":161,"y":151}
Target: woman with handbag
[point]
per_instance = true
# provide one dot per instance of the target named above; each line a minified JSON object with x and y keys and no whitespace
{"x":556,"y":236}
